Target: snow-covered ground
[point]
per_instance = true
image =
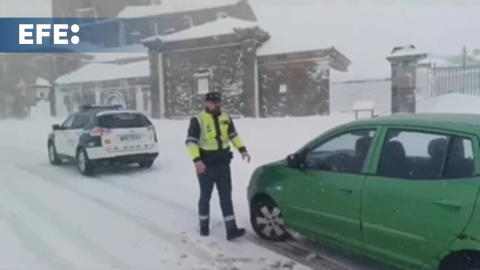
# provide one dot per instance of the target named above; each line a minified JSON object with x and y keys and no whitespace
{"x":53,"y":218}
{"x":449,"y":103}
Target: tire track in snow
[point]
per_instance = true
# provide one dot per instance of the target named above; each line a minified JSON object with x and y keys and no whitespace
{"x":286,"y":250}
{"x":64,"y":228}
{"x":215,"y":259}
{"x":148,"y":195}
{"x":127,"y":174}
{"x":302,"y":252}
{"x":140,"y":221}
{"x":52,"y":173}
{"x":44,"y":253}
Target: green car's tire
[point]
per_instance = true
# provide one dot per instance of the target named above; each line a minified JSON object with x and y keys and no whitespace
{"x":465,"y":260}
{"x":267,"y":220}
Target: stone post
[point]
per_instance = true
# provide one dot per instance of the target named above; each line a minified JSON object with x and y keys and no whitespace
{"x":403,"y":61}
{"x":155,"y":85}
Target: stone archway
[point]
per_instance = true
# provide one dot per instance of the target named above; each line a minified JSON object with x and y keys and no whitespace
{"x":115,"y":99}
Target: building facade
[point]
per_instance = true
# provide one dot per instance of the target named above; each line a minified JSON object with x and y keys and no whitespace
{"x":199,"y":48}
{"x":222,"y":56}
{"x":124,"y":82}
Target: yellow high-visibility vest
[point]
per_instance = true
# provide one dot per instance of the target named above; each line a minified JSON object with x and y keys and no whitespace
{"x":209,"y":139}
{"x":213,"y":137}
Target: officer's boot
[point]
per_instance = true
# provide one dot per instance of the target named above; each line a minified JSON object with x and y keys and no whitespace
{"x":204,"y":227}
{"x":233,"y":231}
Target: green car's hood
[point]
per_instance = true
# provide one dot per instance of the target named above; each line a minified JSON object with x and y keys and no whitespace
{"x":276,"y":163}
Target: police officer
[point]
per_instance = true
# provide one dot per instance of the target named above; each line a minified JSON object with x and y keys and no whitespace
{"x":208,"y":143}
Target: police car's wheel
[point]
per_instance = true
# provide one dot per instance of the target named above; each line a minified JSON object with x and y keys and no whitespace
{"x":267,"y":220}
{"x":84,"y":165}
{"x":146,"y":164}
{"x":52,"y":155}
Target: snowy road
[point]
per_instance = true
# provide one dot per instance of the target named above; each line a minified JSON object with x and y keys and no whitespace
{"x":69,"y":222}
{"x":53,"y":218}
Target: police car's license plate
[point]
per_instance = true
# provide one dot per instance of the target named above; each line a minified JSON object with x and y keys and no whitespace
{"x":133,"y":137}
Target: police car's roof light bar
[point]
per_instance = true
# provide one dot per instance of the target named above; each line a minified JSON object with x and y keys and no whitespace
{"x":84,"y":108}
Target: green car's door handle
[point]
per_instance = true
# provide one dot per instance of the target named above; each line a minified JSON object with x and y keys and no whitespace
{"x":347,"y":190}
{"x":449,"y":203}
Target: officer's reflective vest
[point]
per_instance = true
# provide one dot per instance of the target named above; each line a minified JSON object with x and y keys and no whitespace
{"x":209,"y":139}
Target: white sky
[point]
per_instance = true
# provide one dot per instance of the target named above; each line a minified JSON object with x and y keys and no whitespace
{"x":26,"y":8}
{"x":364,"y":33}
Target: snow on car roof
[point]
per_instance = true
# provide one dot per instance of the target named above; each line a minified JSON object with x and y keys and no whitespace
{"x":109,"y":112}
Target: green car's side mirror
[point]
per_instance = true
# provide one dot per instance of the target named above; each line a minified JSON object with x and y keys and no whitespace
{"x":56,"y":127}
{"x":295,"y":161}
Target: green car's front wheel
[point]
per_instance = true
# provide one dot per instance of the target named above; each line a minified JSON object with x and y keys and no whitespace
{"x":267,"y":220}
{"x":463,"y":260}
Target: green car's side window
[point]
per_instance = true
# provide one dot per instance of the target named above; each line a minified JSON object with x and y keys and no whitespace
{"x":410,"y":154}
{"x":460,"y":161}
{"x":344,"y":153}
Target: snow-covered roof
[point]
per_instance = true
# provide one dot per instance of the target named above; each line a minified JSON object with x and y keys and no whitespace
{"x":121,"y":53}
{"x":111,"y":57}
{"x":83,"y":47}
{"x":105,"y":72}
{"x":437,"y":60}
{"x":42,"y":82}
{"x":407,"y":50}
{"x":173,"y":6}
{"x":219,"y":27}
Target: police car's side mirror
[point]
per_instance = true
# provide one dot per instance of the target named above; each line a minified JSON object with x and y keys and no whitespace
{"x":56,"y":127}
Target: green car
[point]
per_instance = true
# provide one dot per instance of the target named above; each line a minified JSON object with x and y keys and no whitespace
{"x":402,"y":189}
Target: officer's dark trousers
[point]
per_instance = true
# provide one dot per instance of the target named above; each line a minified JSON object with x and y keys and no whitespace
{"x":217,"y":174}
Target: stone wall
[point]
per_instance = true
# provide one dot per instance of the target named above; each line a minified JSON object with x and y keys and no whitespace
{"x":301,"y":89}
{"x":224,"y":69}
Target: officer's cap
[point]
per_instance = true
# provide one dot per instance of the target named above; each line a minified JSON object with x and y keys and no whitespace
{"x":213,"y":96}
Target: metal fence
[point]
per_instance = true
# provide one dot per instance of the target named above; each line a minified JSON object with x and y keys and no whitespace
{"x":463,"y":80}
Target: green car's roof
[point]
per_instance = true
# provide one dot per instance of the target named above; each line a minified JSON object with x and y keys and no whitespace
{"x":435,"y":120}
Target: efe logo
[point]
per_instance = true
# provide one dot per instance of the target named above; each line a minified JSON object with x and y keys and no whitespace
{"x":43,"y":30}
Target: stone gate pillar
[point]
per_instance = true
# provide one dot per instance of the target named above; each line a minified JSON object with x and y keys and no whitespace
{"x":403,"y":61}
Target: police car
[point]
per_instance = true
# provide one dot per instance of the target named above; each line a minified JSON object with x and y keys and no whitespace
{"x":103,"y":135}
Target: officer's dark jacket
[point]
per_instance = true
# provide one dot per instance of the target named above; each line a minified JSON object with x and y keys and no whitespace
{"x":209,"y":137}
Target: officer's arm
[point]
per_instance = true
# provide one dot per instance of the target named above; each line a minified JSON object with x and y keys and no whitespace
{"x":192,"y":139}
{"x":233,"y":135}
